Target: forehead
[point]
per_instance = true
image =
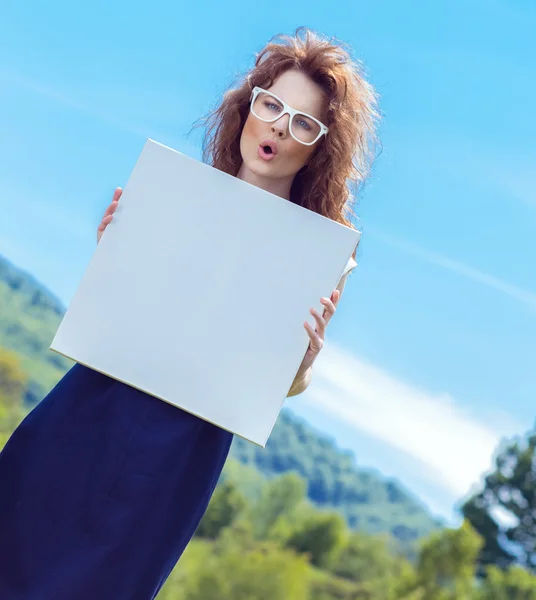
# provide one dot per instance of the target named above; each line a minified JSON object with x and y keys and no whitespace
{"x":299,"y":91}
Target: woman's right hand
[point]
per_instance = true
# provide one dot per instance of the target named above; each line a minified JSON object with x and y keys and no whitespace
{"x":109,"y":214}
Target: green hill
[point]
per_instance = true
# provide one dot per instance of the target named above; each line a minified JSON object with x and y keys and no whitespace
{"x":29,"y":318}
{"x":369,"y":501}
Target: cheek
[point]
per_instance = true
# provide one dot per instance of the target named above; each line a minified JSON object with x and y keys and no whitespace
{"x":251,"y":132}
{"x":299,"y":154}
{"x":245,"y":141}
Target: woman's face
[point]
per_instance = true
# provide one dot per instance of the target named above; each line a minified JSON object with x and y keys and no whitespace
{"x":276,"y":171}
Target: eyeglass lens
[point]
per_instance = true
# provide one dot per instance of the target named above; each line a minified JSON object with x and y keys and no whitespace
{"x":302,"y":127}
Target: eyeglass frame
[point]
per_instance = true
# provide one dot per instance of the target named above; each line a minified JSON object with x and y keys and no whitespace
{"x":287,"y":110}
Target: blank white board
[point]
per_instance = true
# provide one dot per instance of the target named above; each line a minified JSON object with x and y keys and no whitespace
{"x":198,"y":290}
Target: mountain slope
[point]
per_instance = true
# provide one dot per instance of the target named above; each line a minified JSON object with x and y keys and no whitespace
{"x":29,"y":318}
{"x":369,"y":501}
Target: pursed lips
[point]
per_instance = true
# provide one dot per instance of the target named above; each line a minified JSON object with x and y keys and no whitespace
{"x":267,"y":150}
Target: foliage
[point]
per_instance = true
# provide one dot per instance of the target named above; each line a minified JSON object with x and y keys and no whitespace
{"x":246,"y":477}
{"x":226,"y":504}
{"x":279,"y":500}
{"x":511,"y":488}
{"x":349,"y":565}
{"x":29,"y":318}
{"x":367,"y":500}
{"x":369,"y":558}
{"x":320,"y":536}
{"x":12,"y":386}
{"x":447,"y":564}
{"x":12,"y":378}
{"x":239,"y":565}
{"x":241,"y":568}
{"x":514,"y":584}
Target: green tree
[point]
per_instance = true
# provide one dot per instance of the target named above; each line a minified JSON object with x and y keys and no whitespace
{"x":447,"y":563}
{"x":320,"y":535}
{"x":242,"y":568}
{"x":12,"y":386}
{"x":373,"y":562}
{"x":12,"y":378}
{"x":364,"y":557}
{"x":515,"y":583}
{"x":511,"y":488}
{"x":225,"y":506}
{"x":368,"y":501}
{"x":391,"y":586}
{"x":280,"y":497}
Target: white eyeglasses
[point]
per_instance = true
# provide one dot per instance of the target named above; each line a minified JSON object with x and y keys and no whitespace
{"x":303,"y":128}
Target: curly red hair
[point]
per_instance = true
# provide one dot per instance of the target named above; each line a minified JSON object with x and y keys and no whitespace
{"x":343,"y":157}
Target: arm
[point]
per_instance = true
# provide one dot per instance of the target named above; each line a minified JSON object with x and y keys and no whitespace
{"x":301,"y":382}
{"x":305,"y":372}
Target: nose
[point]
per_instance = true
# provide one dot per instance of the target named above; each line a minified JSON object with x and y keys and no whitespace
{"x":280,"y":127}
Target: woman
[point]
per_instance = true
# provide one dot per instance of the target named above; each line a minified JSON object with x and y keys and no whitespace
{"x":102,"y":486}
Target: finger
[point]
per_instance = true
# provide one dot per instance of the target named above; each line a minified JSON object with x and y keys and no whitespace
{"x":330,"y":308}
{"x":320,"y":322}
{"x":316,"y":342}
{"x":117,"y":194}
{"x":115,"y":201}
{"x":111,"y":209}
{"x":105,"y":222}
{"x":335,"y":297}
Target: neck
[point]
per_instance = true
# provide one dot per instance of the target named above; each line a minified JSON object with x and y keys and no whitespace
{"x":279,"y":187}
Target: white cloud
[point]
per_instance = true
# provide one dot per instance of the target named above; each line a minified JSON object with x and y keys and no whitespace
{"x":453,"y":445}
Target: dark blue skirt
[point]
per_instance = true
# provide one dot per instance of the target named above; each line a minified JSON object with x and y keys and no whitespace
{"x":101,"y":488}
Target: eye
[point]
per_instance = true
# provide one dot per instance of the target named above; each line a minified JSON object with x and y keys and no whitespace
{"x":272,"y":106}
{"x":303,"y":124}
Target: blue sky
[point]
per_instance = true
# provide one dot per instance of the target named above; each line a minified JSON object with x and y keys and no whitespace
{"x":430,"y":359}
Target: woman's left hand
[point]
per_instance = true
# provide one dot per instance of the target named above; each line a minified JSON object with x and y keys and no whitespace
{"x":316,"y":335}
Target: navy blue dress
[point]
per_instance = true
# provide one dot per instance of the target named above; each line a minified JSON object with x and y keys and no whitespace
{"x":101,"y":488}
